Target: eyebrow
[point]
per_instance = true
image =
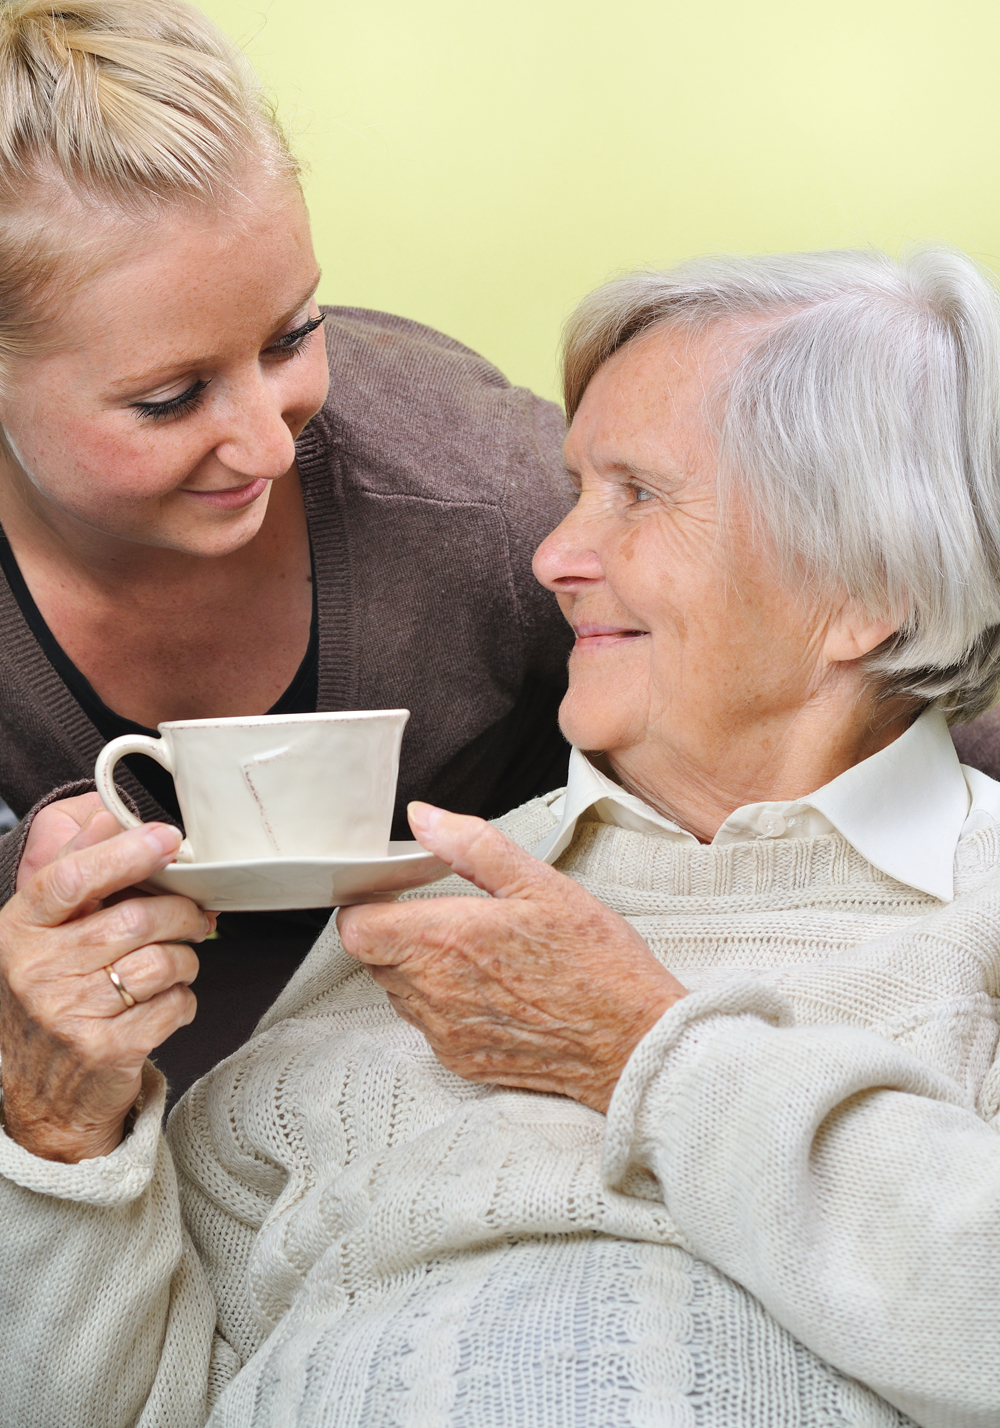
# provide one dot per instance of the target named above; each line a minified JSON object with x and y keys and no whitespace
{"x":143,"y":380}
{"x":633,"y":472}
{"x":643,"y":473}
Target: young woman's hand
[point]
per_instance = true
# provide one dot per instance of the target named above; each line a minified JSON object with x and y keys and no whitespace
{"x":72,"y":1045}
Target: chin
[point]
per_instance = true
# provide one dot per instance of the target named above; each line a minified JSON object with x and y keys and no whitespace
{"x":216,"y":537}
{"x":589,"y":723}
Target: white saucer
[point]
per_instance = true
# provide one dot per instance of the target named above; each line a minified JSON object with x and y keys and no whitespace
{"x":273,"y":884}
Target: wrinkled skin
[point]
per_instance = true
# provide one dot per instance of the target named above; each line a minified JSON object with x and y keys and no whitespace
{"x":72,"y":1052}
{"x":705,"y":681}
{"x":539,"y":986}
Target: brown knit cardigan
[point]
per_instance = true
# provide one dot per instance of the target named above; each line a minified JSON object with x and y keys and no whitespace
{"x":428,"y":482}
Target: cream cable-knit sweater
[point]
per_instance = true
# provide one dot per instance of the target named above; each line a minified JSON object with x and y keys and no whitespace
{"x":343,"y":1233}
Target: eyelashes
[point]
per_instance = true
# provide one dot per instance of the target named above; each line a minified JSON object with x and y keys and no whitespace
{"x":292,"y":341}
{"x":285,"y":347}
{"x":176,"y":406}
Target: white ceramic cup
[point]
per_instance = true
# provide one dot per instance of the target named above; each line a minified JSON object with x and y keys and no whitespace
{"x":276,"y":786}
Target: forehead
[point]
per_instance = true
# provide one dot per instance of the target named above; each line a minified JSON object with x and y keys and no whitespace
{"x":185,"y":271}
{"x":646,"y":404}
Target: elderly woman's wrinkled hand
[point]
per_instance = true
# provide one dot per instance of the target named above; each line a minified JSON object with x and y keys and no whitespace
{"x":63,"y":827}
{"x":73,"y":1037}
{"x":539,"y":986}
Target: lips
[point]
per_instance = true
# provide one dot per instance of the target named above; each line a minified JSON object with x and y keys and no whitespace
{"x":232,"y":498}
{"x":594,"y":637}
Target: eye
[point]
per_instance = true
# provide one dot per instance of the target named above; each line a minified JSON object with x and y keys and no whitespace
{"x":293,"y":342}
{"x":641,"y":494}
{"x":173,"y":406}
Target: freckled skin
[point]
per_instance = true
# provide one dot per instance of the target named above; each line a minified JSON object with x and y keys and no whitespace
{"x":540,"y":986}
{"x":173,"y":608}
{"x":705,"y":681}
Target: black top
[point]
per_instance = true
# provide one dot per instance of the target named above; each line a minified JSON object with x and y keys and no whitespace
{"x":299,"y":698}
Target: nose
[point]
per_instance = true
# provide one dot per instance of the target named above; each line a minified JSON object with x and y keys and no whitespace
{"x":567,"y":561}
{"x":256,"y":441}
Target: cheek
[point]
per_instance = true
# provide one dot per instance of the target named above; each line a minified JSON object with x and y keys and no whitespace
{"x":92,"y":463}
{"x":306,"y":387}
{"x":652,"y":580}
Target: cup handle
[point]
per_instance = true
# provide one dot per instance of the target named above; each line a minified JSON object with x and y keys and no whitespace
{"x":104,"y":777}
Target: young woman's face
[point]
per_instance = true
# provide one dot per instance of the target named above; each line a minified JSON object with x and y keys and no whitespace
{"x":183,"y":373}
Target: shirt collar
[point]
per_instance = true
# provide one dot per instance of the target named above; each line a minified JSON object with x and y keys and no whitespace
{"x":903,"y":809}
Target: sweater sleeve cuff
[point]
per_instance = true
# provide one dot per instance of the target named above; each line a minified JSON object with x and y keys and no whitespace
{"x":107,"y":1180}
{"x":664,"y":1054}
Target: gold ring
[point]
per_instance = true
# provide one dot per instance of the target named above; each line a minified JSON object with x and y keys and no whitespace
{"x":120,"y":987}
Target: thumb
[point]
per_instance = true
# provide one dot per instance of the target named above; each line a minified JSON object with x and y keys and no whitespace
{"x":98,"y":828}
{"x":479,"y":852}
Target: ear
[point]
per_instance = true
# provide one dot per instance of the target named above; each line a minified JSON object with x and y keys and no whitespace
{"x":853,"y":632}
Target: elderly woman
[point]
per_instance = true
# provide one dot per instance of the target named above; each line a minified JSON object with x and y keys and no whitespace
{"x":517,"y":1159}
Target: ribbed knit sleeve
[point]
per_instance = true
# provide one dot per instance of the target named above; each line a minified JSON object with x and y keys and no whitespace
{"x":106,"y":1319}
{"x":848,"y":1185}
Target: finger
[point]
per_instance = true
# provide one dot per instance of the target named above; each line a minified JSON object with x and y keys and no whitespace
{"x":58,"y":892}
{"x":114,"y":932}
{"x":51,"y":830}
{"x":135,"y":1033}
{"x":79,"y":808}
{"x":480,"y":852}
{"x":143,"y":973}
{"x":99,"y":826}
{"x":384,"y":934}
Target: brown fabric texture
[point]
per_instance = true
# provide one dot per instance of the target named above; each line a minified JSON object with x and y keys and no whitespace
{"x":978,"y":743}
{"x":428,"y":482}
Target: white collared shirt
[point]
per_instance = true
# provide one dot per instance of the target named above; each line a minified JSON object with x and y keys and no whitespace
{"x":904,"y":809}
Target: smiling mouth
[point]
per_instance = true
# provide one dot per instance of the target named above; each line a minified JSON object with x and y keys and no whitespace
{"x":598,"y":636}
{"x":232,"y":498}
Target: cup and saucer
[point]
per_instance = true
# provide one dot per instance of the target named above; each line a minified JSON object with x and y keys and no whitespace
{"x":281,"y":811}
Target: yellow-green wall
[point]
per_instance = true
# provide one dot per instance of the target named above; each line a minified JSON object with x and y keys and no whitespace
{"x":480,"y":166}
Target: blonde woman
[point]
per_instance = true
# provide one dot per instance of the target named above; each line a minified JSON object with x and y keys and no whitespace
{"x":215,"y":498}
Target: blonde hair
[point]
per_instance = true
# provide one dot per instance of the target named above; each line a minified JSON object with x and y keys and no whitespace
{"x":126,"y":107}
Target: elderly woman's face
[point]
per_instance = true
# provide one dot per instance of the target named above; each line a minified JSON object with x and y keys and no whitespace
{"x":683,"y":636}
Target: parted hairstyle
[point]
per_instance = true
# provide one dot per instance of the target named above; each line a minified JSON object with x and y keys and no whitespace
{"x":859,"y":423}
{"x":128,"y":107}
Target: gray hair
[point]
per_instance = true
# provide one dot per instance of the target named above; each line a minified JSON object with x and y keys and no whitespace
{"x":860,"y":422}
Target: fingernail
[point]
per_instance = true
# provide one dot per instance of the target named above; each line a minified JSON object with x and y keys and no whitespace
{"x":162,"y":838}
{"x":424,"y":817}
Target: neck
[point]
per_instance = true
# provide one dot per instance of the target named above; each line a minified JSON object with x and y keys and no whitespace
{"x":698,"y":779}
